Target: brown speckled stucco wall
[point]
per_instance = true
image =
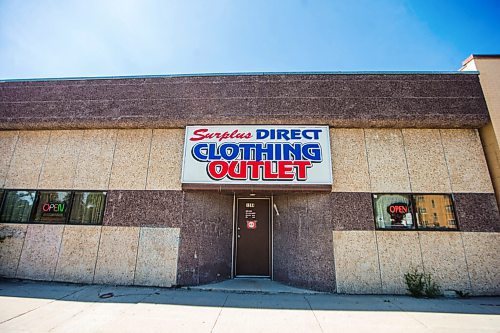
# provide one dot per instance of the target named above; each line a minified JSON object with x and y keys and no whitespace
{"x":302,"y":241}
{"x":352,"y":211}
{"x":206,"y":243}
{"x":477,"y":212}
{"x":144,"y":208}
{"x":339,"y":100}
{"x":303,"y":244}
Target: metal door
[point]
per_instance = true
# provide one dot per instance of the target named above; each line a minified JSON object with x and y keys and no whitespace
{"x":253,"y":237}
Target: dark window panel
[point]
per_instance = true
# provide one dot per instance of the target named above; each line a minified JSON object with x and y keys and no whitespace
{"x":88,"y":207}
{"x":17,"y":206}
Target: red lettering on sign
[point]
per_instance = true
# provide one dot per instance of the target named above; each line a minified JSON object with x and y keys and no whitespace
{"x":254,"y":170}
{"x":398,"y":209}
{"x":202,"y":134}
{"x":237,"y":170}
{"x":217,"y":169}
{"x":302,"y":169}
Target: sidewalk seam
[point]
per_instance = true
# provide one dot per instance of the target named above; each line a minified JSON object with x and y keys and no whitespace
{"x":314,"y":314}
{"x":38,"y":307}
{"x":218,"y":315}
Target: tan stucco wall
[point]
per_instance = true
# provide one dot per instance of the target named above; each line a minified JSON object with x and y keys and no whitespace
{"x":86,"y":254}
{"x":408,"y":160}
{"x":92,"y":159}
{"x":374,"y":262}
{"x":366,"y":262}
{"x":364,"y":160}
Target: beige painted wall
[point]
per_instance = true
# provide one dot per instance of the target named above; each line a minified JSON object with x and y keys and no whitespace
{"x":489,"y":76}
{"x":364,"y":160}
{"x":492,"y":152}
{"x":86,"y":254}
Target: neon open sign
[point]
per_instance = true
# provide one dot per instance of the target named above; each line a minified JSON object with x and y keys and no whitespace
{"x":54,"y":207}
{"x":398,"y":208}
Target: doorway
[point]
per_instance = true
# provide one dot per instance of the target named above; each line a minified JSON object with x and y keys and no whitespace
{"x":252,"y":251}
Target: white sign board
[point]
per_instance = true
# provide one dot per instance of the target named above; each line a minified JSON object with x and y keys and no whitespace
{"x":257,"y":154}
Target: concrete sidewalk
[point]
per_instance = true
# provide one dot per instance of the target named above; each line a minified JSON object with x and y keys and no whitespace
{"x":56,"y":307}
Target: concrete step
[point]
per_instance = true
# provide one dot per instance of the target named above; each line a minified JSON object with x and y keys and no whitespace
{"x":253,"y":285}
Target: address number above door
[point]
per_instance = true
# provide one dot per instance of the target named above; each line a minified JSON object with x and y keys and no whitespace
{"x":257,"y":157}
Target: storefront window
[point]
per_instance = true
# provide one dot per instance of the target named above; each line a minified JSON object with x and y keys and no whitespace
{"x":88,"y":207}
{"x":52,"y":207}
{"x":17,"y":206}
{"x":430,"y":211}
{"x":435,"y":211}
{"x":393,"y":211}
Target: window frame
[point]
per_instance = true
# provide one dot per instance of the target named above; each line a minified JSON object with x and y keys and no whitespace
{"x":410,"y":204}
{"x":2,"y":195}
{"x":413,"y":207}
{"x":37,"y":198}
{"x":103,"y":208}
{"x":5,"y":191}
{"x":452,"y":198}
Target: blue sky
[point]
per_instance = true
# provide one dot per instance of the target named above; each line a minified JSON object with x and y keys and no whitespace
{"x":132,"y":37}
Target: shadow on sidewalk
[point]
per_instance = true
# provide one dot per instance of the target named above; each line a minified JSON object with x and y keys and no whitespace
{"x":184,"y":297}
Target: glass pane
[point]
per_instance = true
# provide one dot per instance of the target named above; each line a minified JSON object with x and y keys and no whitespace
{"x":52,"y":207}
{"x":88,"y":207}
{"x":392,"y":211}
{"x":17,"y":206}
{"x":435,"y":211}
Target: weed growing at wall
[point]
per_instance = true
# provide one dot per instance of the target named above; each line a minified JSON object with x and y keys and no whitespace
{"x":421,"y":285}
{"x":431,"y":289}
{"x":462,"y":294}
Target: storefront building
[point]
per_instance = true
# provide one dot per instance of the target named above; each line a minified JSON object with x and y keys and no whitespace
{"x":334,"y":182}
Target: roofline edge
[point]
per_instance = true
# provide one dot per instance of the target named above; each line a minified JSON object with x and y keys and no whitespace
{"x":154,"y":76}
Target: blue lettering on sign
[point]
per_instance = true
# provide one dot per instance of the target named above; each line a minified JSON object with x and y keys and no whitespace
{"x":284,"y":151}
{"x":288,"y":134}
